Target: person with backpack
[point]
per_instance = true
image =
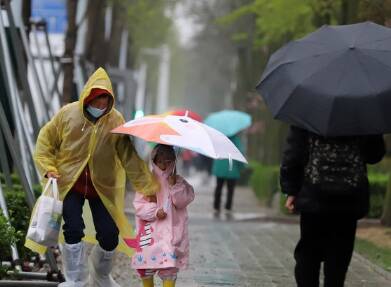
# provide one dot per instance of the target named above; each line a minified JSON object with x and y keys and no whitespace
{"x":325,"y":180}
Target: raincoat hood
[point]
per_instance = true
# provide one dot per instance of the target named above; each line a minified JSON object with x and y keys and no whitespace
{"x":161,"y":173}
{"x":98,"y":80}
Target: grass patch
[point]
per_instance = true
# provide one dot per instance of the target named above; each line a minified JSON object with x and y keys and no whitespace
{"x":264,"y":181}
{"x":380,"y":256}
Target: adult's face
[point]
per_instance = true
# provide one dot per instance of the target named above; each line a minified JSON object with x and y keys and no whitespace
{"x":100,"y":102}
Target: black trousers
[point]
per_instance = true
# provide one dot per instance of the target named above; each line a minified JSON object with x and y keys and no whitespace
{"x":106,"y":229}
{"x":328,"y":239}
{"x":219,"y":188}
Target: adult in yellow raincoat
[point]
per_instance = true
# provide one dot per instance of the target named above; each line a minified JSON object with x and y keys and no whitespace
{"x":91,"y":163}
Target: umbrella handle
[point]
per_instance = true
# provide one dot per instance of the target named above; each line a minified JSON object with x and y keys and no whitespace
{"x":167,"y":204}
{"x":230,"y":162}
{"x":176,"y":159}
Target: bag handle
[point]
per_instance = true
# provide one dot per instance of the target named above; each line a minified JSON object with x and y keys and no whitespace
{"x":52,"y":181}
{"x":55,"y":189}
{"x":47,"y":185}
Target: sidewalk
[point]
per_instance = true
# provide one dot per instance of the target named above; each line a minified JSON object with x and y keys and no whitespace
{"x":243,"y":248}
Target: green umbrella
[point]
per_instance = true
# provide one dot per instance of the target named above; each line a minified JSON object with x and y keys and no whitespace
{"x":229,"y":122}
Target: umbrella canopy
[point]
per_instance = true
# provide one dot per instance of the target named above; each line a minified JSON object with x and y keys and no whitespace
{"x":334,"y":82}
{"x":182,"y":132}
{"x":229,"y":122}
{"x":188,"y":113}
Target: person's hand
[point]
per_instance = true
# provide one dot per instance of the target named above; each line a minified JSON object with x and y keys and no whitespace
{"x":160,"y":214}
{"x":52,"y":174}
{"x":151,"y":198}
{"x":290,"y":203}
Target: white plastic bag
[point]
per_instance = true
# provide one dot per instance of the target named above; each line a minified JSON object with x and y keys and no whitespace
{"x":46,"y":220}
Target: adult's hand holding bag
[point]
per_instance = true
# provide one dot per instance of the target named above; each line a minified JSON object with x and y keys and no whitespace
{"x":45,"y":224}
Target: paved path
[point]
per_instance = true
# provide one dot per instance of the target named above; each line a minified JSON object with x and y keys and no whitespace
{"x":242,"y":248}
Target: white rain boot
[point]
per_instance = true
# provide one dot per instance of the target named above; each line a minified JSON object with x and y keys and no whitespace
{"x":101,"y":263}
{"x":74,"y":265}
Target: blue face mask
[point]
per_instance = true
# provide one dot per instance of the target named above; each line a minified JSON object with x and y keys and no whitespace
{"x":95,"y":112}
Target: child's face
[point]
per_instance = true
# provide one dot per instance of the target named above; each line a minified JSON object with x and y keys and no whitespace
{"x":163,"y":161}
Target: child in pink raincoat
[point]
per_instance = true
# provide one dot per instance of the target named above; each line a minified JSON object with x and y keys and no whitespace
{"x":161,"y":220}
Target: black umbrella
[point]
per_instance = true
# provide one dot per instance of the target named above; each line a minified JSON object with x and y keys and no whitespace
{"x":334,"y":82}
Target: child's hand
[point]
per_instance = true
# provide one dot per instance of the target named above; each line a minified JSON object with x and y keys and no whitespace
{"x":151,"y":198}
{"x":161,"y":214}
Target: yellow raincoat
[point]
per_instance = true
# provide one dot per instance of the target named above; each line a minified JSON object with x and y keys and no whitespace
{"x":70,"y":141}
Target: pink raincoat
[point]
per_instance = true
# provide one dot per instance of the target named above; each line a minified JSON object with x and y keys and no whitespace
{"x":163,"y":243}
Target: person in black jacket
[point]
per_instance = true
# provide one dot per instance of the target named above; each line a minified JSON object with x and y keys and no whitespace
{"x":325,"y":180}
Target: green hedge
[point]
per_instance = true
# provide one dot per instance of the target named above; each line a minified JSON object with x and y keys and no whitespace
{"x":19,"y":213}
{"x":378,"y":188}
{"x":264,"y":181}
{"x":8,"y":237}
{"x":245,"y":175}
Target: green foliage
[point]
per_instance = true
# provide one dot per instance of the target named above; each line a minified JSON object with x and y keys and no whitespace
{"x":19,"y":213}
{"x":281,"y":20}
{"x":378,"y":255}
{"x":378,"y":187}
{"x":326,"y":11}
{"x":378,"y":11}
{"x":239,"y":37}
{"x":276,"y":21}
{"x":378,"y":178}
{"x":232,"y":17}
{"x":8,"y":237}
{"x":149,"y":23}
{"x":264,"y":181}
{"x":258,"y":27}
{"x":245,"y":175}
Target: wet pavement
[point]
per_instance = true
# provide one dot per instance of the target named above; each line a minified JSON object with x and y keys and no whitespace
{"x":242,"y":248}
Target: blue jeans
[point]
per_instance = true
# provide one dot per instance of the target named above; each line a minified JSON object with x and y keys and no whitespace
{"x":106,"y":229}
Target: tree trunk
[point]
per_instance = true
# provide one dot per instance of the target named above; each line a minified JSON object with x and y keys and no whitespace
{"x":70,"y":43}
{"x":349,"y":12}
{"x":96,"y":50}
{"x":101,"y":51}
